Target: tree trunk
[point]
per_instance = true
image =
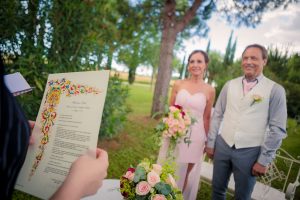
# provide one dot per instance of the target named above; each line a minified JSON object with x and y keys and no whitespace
{"x":168,"y":40}
{"x":109,"y":57}
{"x":131,"y":75}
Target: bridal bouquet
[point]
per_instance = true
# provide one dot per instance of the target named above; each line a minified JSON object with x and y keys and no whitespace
{"x":149,"y":181}
{"x":176,"y":124}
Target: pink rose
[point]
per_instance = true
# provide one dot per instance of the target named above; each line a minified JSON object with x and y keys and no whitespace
{"x":153,"y":178}
{"x":158,"y":197}
{"x":129,"y":175}
{"x":142,"y":188}
{"x":173,"y":109}
{"x":157,"y":168}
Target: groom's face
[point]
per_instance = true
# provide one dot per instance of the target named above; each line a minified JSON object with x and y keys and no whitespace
{"x":253,"y":62}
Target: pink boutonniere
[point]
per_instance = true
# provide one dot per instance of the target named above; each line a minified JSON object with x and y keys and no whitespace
{"x":256,"y":99}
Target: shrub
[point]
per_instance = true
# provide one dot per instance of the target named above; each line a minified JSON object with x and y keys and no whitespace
{"x":115,"y":108}
{"x":292,"y":96}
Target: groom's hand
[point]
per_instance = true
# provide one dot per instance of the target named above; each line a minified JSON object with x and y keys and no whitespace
{"x":259,"y":170}
{"x":210,"y":152}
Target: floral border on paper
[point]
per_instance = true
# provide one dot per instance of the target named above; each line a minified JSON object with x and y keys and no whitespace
{"x":56,"y":89}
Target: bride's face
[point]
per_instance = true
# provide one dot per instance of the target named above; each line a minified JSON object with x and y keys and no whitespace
{"x":197,"y":65}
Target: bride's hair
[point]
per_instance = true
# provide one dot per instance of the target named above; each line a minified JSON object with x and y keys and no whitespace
{"x":206,"y":59}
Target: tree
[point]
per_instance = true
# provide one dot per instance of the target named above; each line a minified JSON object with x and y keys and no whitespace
{"x":230,"y":51}
{"x":142,"y":49}
{"x":294,"y":68}
{"x":131,"y":56}
{"x":151,"y":56}
{"x":208,"y":47}
{"x":179,"y":18}
{"x":173,"y":22}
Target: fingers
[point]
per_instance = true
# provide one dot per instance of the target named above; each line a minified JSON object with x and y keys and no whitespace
{"x":211,"y":156}
{"x":31,"y":140}
{"x":209,"y":152}
{"x":98,"y":152}
{"x":259,"y":170}
{"x":31,"y":124}
{"x":255,"y":173}
{"x":101,"y":154}
{"x":258,"y":173}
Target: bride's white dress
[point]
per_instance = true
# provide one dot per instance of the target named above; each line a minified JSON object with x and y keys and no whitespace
{"x":193,"y":153}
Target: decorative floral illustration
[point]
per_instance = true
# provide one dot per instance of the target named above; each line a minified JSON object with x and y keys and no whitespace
{"x":256,"y":99}
{"x":150,"y":181}
{"x":56,"y":89}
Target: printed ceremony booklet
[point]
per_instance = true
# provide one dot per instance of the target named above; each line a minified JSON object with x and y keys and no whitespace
{"x":67,"y":126}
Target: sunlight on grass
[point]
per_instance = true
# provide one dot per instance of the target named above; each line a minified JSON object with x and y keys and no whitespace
{"x":140,"y":98}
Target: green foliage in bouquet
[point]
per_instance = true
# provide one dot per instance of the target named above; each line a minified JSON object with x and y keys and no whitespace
{"x":150,"y":182}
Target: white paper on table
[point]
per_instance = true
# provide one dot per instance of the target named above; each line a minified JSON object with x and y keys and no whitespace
{"x":16,"y":84}
{"x":69,"y":119}
{"x":110,"y":190}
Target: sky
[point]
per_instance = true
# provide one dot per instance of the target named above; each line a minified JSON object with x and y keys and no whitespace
{"x":279,"y":28}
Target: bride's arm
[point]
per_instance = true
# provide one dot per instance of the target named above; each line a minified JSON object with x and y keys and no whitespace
{"x":208,"y":108}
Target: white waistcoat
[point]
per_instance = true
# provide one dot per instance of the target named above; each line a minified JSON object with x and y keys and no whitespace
{"x":245,"y":121}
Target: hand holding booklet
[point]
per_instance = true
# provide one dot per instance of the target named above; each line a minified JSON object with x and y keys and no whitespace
{"x":67,"y":126}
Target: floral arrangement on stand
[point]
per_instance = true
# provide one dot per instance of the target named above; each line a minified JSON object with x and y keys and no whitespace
{"x":150,"y":182}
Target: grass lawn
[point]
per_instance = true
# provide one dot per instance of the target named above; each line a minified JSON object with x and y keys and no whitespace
{"x":137,"y":140}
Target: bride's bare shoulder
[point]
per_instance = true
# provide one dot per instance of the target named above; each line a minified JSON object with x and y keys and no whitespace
{"x":210,"y":90}
{"x":209,"y":87}
{"x":179,"y":83}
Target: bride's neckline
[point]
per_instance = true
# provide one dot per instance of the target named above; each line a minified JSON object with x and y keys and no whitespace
{"x":192,"y":94}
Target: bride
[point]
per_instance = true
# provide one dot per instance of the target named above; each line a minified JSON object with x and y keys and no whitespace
{"x":196,"y":97}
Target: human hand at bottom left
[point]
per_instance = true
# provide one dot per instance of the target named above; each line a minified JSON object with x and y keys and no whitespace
{"x":85,"y":176}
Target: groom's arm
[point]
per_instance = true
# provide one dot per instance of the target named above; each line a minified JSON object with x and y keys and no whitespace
{"x":277,"y":125}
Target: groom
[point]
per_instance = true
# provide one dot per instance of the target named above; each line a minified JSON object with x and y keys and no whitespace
{"x":253,"y":112}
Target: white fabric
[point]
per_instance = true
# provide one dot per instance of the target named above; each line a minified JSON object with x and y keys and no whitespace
{"x":240,"y":110}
